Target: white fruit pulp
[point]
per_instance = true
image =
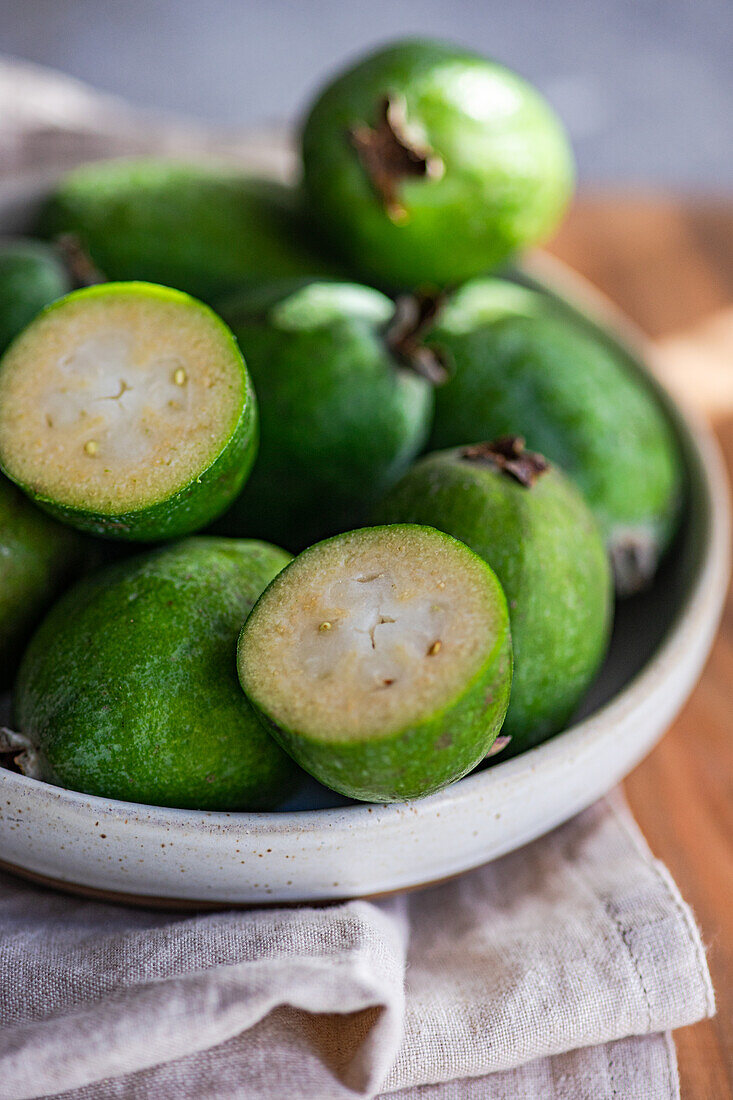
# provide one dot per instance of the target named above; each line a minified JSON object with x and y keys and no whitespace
{"x":370,"y":631}
{"x":114,"y":401}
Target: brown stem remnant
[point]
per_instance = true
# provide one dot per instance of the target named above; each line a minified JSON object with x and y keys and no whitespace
{"x":634,"y":558}
{"x":18,"y":754}
{"x":500,"y":743}
{"x":8,"y":760}
{"x":78,"y":262}
{"x":389,"y":154}
{"x":413,"y":317}
{"x":508,"y":454}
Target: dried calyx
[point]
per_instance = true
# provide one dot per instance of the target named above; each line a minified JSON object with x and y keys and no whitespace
{"x":18,"y":753}
{"x":413,"y":317}
{"x":500,"y":743}
{"x":389,"y":154}
{"x":634,"y":559}
{"x":77,"y":261}
{"x":8,"y":760}
{"x":509,"y":455}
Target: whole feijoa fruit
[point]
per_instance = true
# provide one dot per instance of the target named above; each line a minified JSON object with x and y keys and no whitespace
{"x":522,"y":367}
{"x":126,"y":410}
{"x":31,"y":276}
{"x":427,"y":163}
{"x":204,"y":228}
{"x":381,"y":660}
{"x":345,"y":405}
{"x":38,"y":559}
{"x":129,"y":687}
{"x":532,"y":526}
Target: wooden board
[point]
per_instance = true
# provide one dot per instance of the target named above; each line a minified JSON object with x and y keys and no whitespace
{"x":669,"y":265}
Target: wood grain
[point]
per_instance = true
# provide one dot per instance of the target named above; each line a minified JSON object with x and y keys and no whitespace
{"x":669,"y":265}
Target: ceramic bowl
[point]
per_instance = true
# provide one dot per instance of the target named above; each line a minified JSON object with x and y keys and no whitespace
{"x":323,"y":848}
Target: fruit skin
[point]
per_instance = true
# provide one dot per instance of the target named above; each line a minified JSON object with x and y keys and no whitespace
{"x":340,"y":419}
{"x":129,"y":690}
{"x":506,"y":176}
{"x":541,"y":375}
{"x":422,"y":758}
{"x":546,"y":549}
{"x":31,"y":276}
{"x":204,"y":228}
{"x":209,"y":493}
{"x":38,"y":558}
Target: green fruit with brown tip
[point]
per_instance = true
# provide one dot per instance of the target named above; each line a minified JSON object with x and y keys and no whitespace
{"x":342,"y":410}
{"x":426,"y":163}
{"x":38,"y":559}
{"x":534,"y":529}
{"x":206,"y":228}
{"x":520,"y":364}
{"x":129,"y":689}
{"x":381,"y":661}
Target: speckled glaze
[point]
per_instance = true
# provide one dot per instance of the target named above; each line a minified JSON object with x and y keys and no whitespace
{"x":161,"y":856}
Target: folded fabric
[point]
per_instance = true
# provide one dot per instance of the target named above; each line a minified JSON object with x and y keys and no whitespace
{"x":548,"y":973}
{"x":50,"y":122}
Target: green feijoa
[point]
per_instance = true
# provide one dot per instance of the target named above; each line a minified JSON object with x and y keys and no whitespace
{"x":525,"y":368}
{"x":38,"y":559}
{"x":129,"y":687}
{"x":31,"y":276}
{"x":532,"y":526}
{"x":381,"y":660}
{"x":427,"y":163}
{"x":126,"y":410}
{"x":344,"y":407}
{"x":204,"y":228}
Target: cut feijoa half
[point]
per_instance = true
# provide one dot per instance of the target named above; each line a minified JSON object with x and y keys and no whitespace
{"x":126,"y":410}
{"x":380,"y":659}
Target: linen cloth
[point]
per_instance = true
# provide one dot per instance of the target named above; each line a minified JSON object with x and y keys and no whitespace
{"x":549,"y":973}
{"x":555,"y":972}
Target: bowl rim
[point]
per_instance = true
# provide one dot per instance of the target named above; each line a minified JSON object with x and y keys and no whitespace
{"x":701,"y":606}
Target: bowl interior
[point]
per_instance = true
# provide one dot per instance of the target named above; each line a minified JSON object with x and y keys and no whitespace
{"x":641,"y":622}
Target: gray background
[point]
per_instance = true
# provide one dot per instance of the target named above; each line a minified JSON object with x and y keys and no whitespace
{"x":644,"y":86}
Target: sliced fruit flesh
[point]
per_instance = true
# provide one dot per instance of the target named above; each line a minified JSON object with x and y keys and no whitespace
{"x":115,"y":400}
{"x":368,"y":633}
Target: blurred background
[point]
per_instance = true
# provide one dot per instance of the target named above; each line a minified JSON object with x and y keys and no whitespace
{"x":644,"y":86}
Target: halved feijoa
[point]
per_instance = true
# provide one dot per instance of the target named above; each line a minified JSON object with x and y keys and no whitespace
{"x":129,"y":687}
{"x":126,"y":410}
{"x":31,"y":276}
{"x":530,"y":523}
{"x":381,"y":661}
